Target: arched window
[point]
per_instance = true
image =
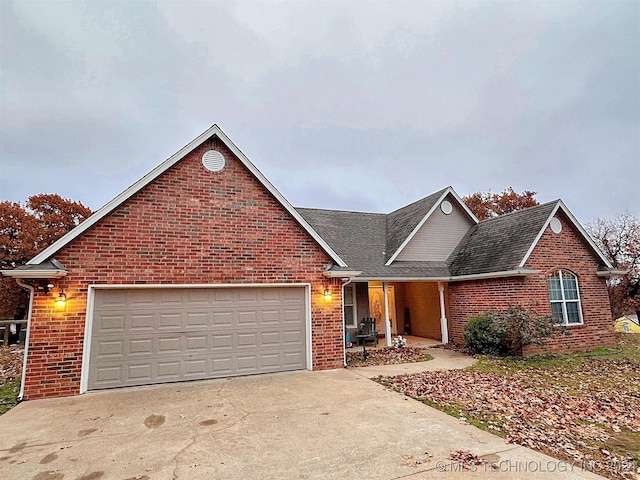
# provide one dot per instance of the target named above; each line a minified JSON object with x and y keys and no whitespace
{"x":565,"y":298}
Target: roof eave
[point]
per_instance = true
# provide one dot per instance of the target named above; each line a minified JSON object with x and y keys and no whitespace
{"x":611,"y":272}
{"x":33,"y":274}
{"x":341,"y":274}
{"x":520,"y":272}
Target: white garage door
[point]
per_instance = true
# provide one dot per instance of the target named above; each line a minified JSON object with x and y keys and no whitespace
{"x":141,"y":336}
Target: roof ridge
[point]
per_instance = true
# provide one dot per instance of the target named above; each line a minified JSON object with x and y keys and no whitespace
{"x":438,"y":193}
{"x":516,"y":212}
{"x":339,"y":211}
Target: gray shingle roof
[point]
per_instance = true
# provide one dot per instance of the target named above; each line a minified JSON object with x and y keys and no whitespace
{"x":358,"y":238}
{"x":361,"y":240}
{"x":499,"y":244}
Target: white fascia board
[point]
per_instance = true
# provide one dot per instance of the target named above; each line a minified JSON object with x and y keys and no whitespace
{"x":464,"y":206}
{"x":159,"y":170}
{"x":521,"y":272}
{"x":343,"y":274}
{"x":614,"y":272}
{"x":561,"y":205}
{"x":448,"y":191}
{"x":29,"y":274}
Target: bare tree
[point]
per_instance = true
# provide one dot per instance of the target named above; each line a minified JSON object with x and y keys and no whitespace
{"x":619,"y":239}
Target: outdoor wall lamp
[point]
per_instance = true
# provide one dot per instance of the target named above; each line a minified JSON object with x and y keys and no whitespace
{"x":61,"y":301}
{"x":327,"y":294}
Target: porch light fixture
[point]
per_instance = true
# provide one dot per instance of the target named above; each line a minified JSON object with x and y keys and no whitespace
{"x":61,"y":301}
{"x":327,"y":294}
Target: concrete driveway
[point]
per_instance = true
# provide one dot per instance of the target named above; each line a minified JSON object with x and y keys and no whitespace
{"x":299,"y":425}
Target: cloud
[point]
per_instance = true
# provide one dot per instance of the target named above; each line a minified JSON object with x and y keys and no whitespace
{"x":353,"y":105}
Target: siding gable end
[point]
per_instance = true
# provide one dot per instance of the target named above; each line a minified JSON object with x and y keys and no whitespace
{"x":439,"y":234}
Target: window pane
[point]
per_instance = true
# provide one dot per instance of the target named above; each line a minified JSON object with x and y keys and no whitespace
{"x":570,"y":288}
{"x":348,"y":295}
{"x":554,"y":288}
{"x":572,"y":312}
{"x":556,"y":312}
{"x":348,"y":316}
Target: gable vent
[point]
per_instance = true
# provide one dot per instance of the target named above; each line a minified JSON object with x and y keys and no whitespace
{"x":213,"y":160}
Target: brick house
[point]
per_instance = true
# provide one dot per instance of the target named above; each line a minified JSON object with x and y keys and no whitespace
{"x":202,"y":269}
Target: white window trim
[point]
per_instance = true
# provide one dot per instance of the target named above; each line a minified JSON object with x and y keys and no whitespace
{"x":564,"y":301}
{"x":354,"y":323}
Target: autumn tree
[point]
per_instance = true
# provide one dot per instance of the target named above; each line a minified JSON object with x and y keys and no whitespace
{"x":619,"y":240}
{"x":25,"y":231}
{"x":488,"y":205}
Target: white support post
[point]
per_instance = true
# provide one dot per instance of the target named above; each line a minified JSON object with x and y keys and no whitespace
{"x":443,"y":315}
{"x":387,"y":322}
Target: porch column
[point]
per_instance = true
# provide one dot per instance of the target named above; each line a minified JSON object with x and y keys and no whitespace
{"x":387,"y":322}
{"x":443,"y":315}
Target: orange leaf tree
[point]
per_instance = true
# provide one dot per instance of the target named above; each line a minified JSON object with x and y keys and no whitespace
{"x":26,"y":231}
{"x":487,"y":205}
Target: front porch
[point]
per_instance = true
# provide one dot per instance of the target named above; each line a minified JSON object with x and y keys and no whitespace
{"x":417,"y":310}
{"x":412,"y":341}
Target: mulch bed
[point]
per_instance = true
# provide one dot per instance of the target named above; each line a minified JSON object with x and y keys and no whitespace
{"x":388,"y":356}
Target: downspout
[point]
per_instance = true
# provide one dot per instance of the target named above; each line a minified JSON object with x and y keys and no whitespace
{"x":26,"y":339}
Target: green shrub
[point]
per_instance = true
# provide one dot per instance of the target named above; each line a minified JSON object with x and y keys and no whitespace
{"x":482,"y":335}
{"x":523,"y":328}
{"x":507,"y":332}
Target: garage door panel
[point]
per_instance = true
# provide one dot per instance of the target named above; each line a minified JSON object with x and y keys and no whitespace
{"x":110,"y":348}
{"x":140,"y":322}
{"x":169,"y":321}
{"x":155,"y":335}
{"x":112,"y":323}
{"x":247,"y":318}
{"x":196,"y":319}
{"x":223,"y":318}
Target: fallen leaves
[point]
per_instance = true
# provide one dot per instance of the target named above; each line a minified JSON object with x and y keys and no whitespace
{"x":466,"y":459}
{"x":388,"y":356}
{"x":10,"y":362}
{"x":571,"y":414}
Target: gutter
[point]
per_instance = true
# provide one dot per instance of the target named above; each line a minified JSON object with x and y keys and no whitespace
{"x":612,"y":272}
{"x":32,"y":273}
{"x":26,"y":339}
{"x":522,"y":272}
{"x":347,"y":274}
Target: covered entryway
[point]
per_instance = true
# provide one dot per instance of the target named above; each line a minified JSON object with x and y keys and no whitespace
{"x":149,"y":335}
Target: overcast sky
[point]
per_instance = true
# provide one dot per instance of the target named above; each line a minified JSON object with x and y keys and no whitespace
{"x":354,"y":105}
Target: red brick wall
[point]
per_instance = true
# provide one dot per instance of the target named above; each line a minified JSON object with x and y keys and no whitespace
{"x":189,"y":226}
{"x":565,"y":250}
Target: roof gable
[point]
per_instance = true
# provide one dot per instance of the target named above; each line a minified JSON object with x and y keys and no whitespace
{"x":583,"y":233}
{"x":404,"y":223}
{"x":506,"y":242}
{"x":437,"y":237}
{"x":163,"y":167}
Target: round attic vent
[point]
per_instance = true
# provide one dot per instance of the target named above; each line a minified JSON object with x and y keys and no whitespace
{"x":446,"y":207}
{"x":213,"y":160}
{"x":556,"y":226}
